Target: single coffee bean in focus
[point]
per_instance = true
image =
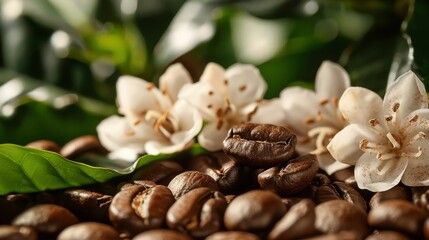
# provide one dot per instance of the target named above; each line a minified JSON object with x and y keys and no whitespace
{"x":186,"y":181}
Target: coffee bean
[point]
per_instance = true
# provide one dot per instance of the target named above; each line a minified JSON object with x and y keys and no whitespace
{"x":140,"y":208}
{"x":297,"y":223}
{"x":47,"y":219}
{"x":343,"y":235}
{"x":256,"y":210}
{"x":89,"y":231}
{"x":397,"y":192}
{"x":390,"y":235}
{"x":399,"y":215}
{"x":343,"y":174}
{"x":340,"y":191}
{"x":420,"y":197}
{"x":339,"y":215}
{"x":229,"y":198}
{"x":259,"y":145}
{"x":320,"y":179}
{"x":87,"y":204}
{"x":232,"y":235}
{"x":426,"y":229}
{"x":161,"y":234}
{"x":82,"y":145}
{"x":198,"y":213}
{"x":9,"y":232}
{"x":290,"y":178}
{"x":45,"y":145}
{"x":159,"y":172}
{"x":189,"y":180}
{"x":221,"y":168}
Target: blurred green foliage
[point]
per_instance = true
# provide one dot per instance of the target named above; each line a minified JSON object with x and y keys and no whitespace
{"x":59,"y":60}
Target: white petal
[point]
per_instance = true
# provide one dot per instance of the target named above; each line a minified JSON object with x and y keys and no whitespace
{"x":300,"y":105}
{"x":409,"y":92}
{"x":203,"y":97}
{"x":417,"y":172}
{"x":331,"y":80}
{"x":174,"y":78}
{"x":158,"y":147}
{"x":344,"y":147}
{"x":211,"y":138}
{"x":214,"y":75}
{"x":328,"y":163}
{"x":376,"y":175}
{"x":135,"y":96}
{"x":115,"y":133}
{"x":359,"y":105}
{"x":245,"y":84}
{"x":189,"y":121}
{"x":415,"y":123}
{"x":270,"y":111}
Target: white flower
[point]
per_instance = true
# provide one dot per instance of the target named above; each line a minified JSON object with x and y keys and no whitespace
{"x":225,"y":98}
{"x":314,"y":116}
{"x":154,"y":122}
{"x":386,"y":139}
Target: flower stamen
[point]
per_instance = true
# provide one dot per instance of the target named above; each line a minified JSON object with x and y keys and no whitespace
{"x":411,"y":154}
{"x":393,"y":141}
{"x":324,"y":134}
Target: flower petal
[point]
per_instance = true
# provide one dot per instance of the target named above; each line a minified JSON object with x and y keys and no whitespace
{"x":417,"y":172}
{"x":189,"y":121}
{"x":214,"y":75}
{"x":245,"y":84}
{"x":211,"y":137}
{"x":299,"y":112}
{"x":331,"y":80}
{"x":415,"y":123}
{"x":270,"y":111}
{"x":115,"y":133}
{"x":203,"y":97}
{"x":344,"y":147}
{"x":359,"y":105}
{"x":135,"y":96}
{"x":328,"y":163}
{"x":376,"y":175}
{"x":409,"y":92}
{"x":174,"y":78}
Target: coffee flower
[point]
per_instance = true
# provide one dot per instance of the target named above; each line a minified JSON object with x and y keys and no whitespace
{"x":386,"y":139}
{"x":153,"y":121}
{"x":314,"y":116}
{"x":228,"y":97}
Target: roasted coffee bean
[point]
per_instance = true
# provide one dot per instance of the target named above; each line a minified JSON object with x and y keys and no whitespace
{"x":291,"y":201}
{"x":397,"y":192}
{"x":159,"y":172}
{"x":340,"y":191}
{"x":189,"y":180}
{"x":161,"y":234}
{"x":229,"y":198}
{"x":140,"y":208}
{"x":387,"y":235}
{"x":232,"y":235}
{"x":416,"y":196}
{"x":339,"y":215}
{"x":254,"y":211}
{"x":82,"y":145}
{"x":47,"y":219}
{"x":221,"y":168}
{"x":87,"y":204}
{"x":297,"y":223}
{"x":290,"y":178}
{"x":320,"y":179}
{"x":45,"y":145}
{"x":198,"y":213}
{"x":9,"y":232}
{"x":366,"y":194}
{"x":426,"y":229}
{"x":343,"y":235}
{"x":259,"y":145}
{"x":89,"y":231}
{"x":399,"y":215}
{"x":343,"y":174}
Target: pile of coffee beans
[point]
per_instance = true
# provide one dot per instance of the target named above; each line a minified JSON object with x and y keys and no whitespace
{"x":257,"y":188}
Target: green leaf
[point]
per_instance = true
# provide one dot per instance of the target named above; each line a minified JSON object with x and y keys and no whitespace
{"x":26,"y":170}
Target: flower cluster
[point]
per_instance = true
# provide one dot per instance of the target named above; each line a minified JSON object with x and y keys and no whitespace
{"x":344,"y":126}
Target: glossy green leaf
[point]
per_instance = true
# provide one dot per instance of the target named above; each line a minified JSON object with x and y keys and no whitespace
{"x":26,"y":170}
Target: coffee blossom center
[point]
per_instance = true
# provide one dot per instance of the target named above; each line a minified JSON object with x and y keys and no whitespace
{"x":395,"y":144}
{"x":329,"y":121}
